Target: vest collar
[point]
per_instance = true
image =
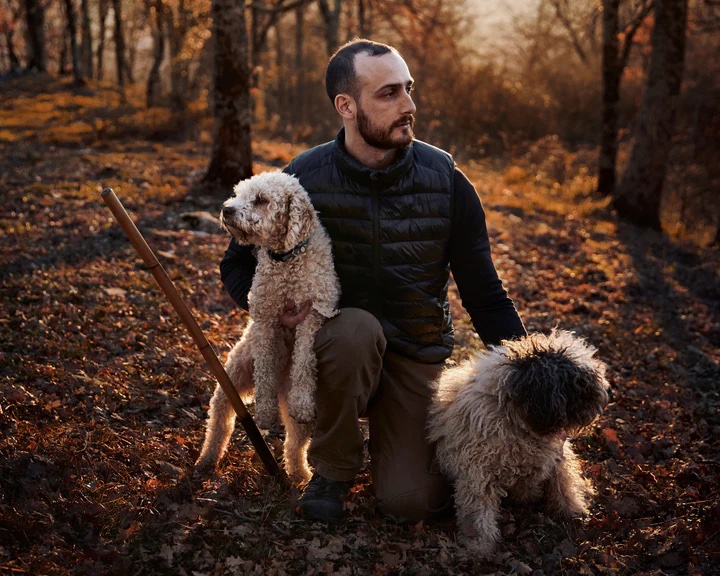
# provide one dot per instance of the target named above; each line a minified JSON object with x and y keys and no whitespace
{"x":355,"y":169}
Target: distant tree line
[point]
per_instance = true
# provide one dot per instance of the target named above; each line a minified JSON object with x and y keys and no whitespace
{"x":601,"y":73}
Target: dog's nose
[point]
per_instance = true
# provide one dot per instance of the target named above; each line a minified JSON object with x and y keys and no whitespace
{"x":227,"y":212}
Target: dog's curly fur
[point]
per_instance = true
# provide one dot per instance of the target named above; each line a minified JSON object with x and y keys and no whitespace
{"x":501,"y":421}
{"x":273,"y":212}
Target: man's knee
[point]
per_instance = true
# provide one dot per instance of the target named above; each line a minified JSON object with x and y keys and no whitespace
{"x":352,"y":339}
{"x":350,"y":326}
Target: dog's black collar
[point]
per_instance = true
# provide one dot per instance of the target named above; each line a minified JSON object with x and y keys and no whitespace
{"x":290,"y":254}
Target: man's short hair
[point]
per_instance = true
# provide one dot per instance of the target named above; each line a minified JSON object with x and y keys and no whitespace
{"x":340,"y":77}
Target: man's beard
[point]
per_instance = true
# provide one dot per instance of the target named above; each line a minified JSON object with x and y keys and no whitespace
{"x":380,"y":137}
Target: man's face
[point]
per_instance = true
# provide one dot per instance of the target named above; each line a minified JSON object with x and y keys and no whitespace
{"x":385,"y":109}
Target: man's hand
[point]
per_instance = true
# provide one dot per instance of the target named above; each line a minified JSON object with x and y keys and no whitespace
{"x":291,"y":316}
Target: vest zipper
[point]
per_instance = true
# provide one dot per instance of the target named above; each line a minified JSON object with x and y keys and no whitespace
{"x":375,"y":199}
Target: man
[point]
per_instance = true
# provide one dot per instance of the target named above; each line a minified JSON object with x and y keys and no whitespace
{"x":400,"y":215}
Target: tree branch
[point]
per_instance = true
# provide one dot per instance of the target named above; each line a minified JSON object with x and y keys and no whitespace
{"x":278,"y":8}
{"x":630,"y":29}
{"x":565,"y":21}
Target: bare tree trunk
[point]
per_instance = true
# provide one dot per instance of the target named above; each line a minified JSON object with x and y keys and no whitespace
{"x":130,"y":36}
{"x":300,"y":100}
{"x":283,"y":105}
{"x":614,"y":60}
{"x":363,"y":19}
{"x":177,"y":31}
{"x":63,"y":60}
{"x":153,"y":84}
{"x":257,"y":34}
{"x":331,"y":18}
{"x":103,"y":7}
{"x":35,"y":19}
{"x":611,"y":95}
{"x":71,"y":16}
{"x":119,"y":43}
{"x":4,"y":54}
{"x":638,"y":196}
{"x":13,"y":22}
{"x":231,"y":157}
{"x":86,"y":51}
{"x":14,"y":61}
{"x":129,"y":63}
{"x":263,"y":16}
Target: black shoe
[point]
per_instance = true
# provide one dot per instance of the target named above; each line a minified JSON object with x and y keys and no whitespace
{"x":323,"y":499}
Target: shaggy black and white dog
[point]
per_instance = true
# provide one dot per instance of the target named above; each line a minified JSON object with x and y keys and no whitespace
{"x":501,"y":422}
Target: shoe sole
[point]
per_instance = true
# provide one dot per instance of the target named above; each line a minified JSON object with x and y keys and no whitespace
{"x":319,"y":511}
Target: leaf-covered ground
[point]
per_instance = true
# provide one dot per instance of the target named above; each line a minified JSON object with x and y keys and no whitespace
{"x":103,"y":394}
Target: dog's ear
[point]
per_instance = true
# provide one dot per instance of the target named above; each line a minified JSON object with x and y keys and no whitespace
{"x":299,"y":214}
{"x":552,"y":391}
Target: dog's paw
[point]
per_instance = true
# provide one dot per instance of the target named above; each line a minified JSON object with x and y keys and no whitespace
{"x":325,"y":310}
{"x":204,"y":468}
{"x":479,"y":536}
{"x":572,"y":500}
{"x":265,"y":421}
{"x":298,"y":475}
{"x":478,"y":546}
{"x":302,"y":414}
{"x":266,"y":416}
{"x":576,"y":507}
{"x":301,"y":406}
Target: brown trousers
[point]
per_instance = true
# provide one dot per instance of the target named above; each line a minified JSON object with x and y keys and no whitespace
{"x":358,"y":378}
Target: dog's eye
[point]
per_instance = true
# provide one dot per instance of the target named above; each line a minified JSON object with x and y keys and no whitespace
{"x":261,"y":200}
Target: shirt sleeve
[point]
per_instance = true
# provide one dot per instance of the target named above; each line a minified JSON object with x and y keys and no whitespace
{"x":492,"y":312}
{"x":237,"y":269}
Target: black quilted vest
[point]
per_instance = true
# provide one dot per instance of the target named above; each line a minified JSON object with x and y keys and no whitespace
{"x":390,"y":230}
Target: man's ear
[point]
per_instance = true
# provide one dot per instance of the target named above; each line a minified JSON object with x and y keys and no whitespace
{"x":345,"y":106}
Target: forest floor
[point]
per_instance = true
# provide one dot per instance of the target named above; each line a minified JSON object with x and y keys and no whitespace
{"x":103,"y":395}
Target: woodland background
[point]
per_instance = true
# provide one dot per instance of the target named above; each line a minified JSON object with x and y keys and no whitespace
{"x":590,"y":130}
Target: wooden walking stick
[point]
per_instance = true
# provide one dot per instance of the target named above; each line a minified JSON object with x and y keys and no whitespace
{"x":187,"y":318}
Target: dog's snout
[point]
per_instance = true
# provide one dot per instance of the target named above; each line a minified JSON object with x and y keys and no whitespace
{"x":227,"y":211}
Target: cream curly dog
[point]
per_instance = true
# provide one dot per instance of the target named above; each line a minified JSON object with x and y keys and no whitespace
{"x":501,"y":422}
{"x":272,"y":211}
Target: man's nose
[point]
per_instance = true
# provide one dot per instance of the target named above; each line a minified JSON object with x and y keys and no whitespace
{"x":408,"y":105}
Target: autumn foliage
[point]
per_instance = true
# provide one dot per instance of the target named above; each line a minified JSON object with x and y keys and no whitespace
{"x":103,"y":395}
